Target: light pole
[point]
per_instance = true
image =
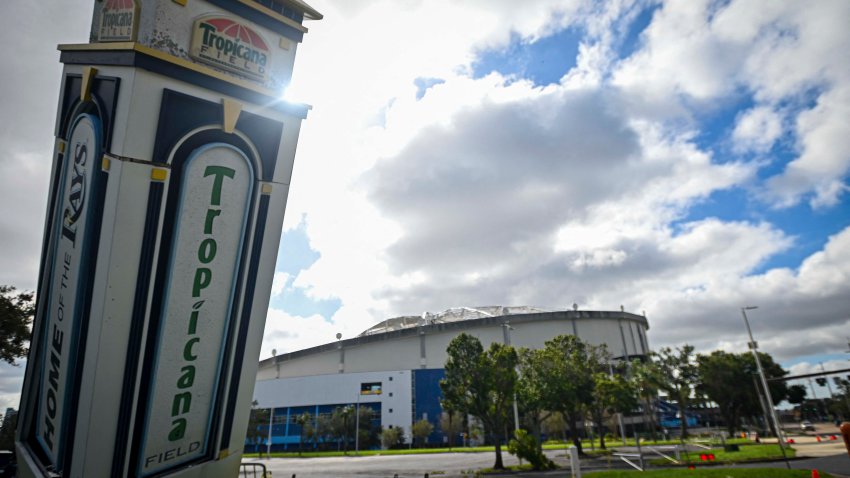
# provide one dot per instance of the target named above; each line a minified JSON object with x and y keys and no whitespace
{"x":506,"y":330}
{"x":269,"y":442}
{"x":357,"y":425}
{"x":754,"y":347}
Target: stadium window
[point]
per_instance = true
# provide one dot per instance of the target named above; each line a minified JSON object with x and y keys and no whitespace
{"x":370,"y":388}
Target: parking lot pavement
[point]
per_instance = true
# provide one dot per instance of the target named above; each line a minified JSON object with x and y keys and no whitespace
{"x":405,"y":466}
{"x":441,"y":465}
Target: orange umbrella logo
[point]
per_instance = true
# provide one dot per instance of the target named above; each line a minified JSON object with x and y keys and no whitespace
{"x":236,"y":31}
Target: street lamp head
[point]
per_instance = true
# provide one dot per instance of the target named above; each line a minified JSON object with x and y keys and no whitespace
{"x":750,"y":307}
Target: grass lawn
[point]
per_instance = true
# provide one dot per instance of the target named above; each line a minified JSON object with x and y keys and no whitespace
{"x":478,"y":449}
{"x":405,"y":451}
{"x":709,"y":473}
{"x":746,"y":453}
{"x":613,"y":443}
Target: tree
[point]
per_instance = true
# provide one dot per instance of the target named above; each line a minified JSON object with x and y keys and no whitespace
{"x":645,"y":377}
{"x":16,"y":310}
{"x":391,"y":437}
{"x":258,"y":419}
{"x":481,"y":383}
{"x":7,"y":430}
{"x":567,"y":381}
{"x":678,"y":375}
{"x":367,"y":434}
{"x":451,"y":424}
{"x":724,"y":379}
{"x":305,"y":423}
{"x":530,"y":397}
{"x":840,"y":407}
{"x":420,"y":431}
{"x":525,"y":447}
{"x":342,"y":425}
{"x":778,"y":388}
{"x":613,"y":394}
{"x":797,"y":394}
{"x":728,"y":379}
{"x":325,"y":433}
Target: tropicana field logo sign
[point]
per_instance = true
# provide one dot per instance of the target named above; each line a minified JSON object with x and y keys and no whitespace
{"x":230,"y":45}
{"x":118,"y":20}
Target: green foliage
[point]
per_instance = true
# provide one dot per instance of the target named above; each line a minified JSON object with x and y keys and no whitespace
{"x":677,"y":375}
{"x":612,"y":393}
{"x":797,"y":394}
{"x":391,"y":437}
{"x":526,"y":447}
{"x":258,"y":419}
{"x":451,"y":424}
{"x":567,"y":381}
{"x":7,"y":431}
{"x":531,"y":400}
{"x":340,"y":426}
{"x":305,"y":421}
{"x":711,"y":472}
{"x":16,"y":310}
{"x":480,"y":383}
{"x":645,"y":377}
{"x":420,"y":431}
{"x":728,"y":379}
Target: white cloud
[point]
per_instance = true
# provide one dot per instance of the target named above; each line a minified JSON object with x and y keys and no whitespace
{"x":495,"y":191}
{"x":492,"y":190}
{"x":286,"y":333}
{"x":279,"y":283}
{"x":824,"y":162}
{"x":757,"y":129}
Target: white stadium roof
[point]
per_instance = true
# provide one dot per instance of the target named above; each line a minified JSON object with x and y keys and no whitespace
{"x":456,"y":314}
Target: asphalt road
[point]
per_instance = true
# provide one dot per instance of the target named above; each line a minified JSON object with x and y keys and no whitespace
{"x":447,"y":465}
{"x":454,"y":465}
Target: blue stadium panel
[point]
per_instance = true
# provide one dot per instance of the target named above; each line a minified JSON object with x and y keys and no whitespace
{"x":286,"y":432}
{"x":426,"y":399}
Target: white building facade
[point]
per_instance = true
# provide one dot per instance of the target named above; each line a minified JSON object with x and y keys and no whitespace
{"x":395,"y":367}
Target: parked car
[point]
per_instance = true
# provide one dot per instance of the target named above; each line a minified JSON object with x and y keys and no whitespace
{"x":807,"y":426}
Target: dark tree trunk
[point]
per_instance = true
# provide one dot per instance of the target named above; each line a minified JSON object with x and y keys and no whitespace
{"x":572,"y":418}
{"x":598,"y":416}
{"x":535,"y":430}
{"x":498,"y":465}
{"x":683,"y":417}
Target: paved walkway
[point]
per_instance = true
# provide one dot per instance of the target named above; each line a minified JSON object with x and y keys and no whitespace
{"x":826,"y":455}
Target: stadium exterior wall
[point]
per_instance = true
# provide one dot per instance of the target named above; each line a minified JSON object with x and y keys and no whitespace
{"x":408,"y":364}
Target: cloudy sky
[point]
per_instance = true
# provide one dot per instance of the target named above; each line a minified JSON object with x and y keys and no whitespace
{"x":683,"y":159}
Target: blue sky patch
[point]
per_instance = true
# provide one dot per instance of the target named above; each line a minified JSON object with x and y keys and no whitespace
{"x":631,"y":41}
{"x":423,"y":84}
{"x":294,"y":256}
{"x":544,"y":61}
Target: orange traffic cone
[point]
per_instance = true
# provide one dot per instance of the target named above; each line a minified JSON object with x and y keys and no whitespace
{"x":818,"y":437}
{"x":815,"y":474}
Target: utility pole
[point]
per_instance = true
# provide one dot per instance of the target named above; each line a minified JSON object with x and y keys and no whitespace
{"x":506,"y":330}
{"x":754,"y":347}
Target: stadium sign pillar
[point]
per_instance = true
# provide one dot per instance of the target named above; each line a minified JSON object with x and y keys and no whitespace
{"x":169,"y":180}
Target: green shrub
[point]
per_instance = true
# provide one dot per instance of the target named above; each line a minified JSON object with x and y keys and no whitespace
{"x":524,"y":446}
